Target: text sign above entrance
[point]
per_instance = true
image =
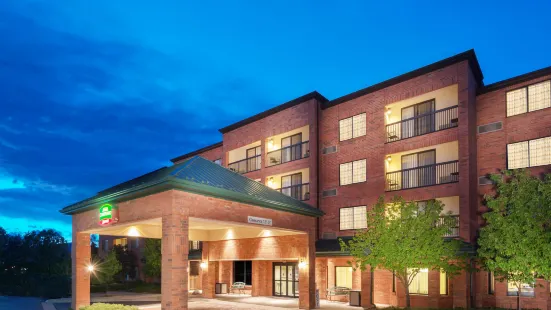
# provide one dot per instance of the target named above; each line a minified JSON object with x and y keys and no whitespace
{"x":108,"y":214}
{"x":259,"y":221}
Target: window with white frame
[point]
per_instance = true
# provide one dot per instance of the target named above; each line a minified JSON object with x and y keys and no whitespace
{"x":530,"y":98}
{"x":420,"y":283}
{"x":352,"y":127}
{"x":353,"y":172}
{"x":526,"y":289}
{"x":531,"y":153}
{"x":343,"y":277}
{"x":353,"y":218}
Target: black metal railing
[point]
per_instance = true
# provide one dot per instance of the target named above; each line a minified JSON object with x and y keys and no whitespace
{"x":299,"y":192}
{"x":435,"y":174}
{"x":288,"y":153}
{"x":246,"y":165}
{"x":453,"y":225}
{"x":422,"y":124}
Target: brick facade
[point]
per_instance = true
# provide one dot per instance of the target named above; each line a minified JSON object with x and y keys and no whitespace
{"x":478,"y":155}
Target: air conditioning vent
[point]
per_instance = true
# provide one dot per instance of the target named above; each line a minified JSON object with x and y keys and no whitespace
{"x":329,"y":193}
{"x":484,"y":180}
{"x":329,"y":149}
{"x":329,"y":235}
{"x":490,"y":127}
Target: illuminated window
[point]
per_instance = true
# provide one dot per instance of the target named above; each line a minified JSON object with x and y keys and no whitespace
{"x":443,"y":283}
{"x":526,"y":289}
{"x":120,"y":241}
{"x":353,"y":218}
{"x":527,"y":99}
{"x":529,"y":153}
{"x":420,"y":283}
{"x":353,"y":172}
{"x":343,"y":277}
{"x":352,"y":127}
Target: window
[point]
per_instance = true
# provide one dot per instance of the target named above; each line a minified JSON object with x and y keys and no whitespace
{"x":527,"y":289}
{"x":194,"y":267}
{"x":242,"y":271}
{"x":420,"y":283}
{"x":491,"y":283}
{"x":106,"y":245}
{"x":353,"y":172}
{"x":218,"y":161}
{"x":194,"y":245}
{"x":529,"y":153}
{"x":352,"y":127}
{"x":353,"y":218}
{"x":343,"y":277}
{"x":393,"y":282}
{"x":527,"y":99}
{"x":443,"y":283}
{"x":121,"y":241}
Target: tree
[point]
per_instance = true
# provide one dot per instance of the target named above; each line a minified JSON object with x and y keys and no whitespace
{"x":128,"y":261}
{"x":109,"y":268}
{"x":402,"y":238}
{"x":152,"y":255}
{"x":515,"y":243}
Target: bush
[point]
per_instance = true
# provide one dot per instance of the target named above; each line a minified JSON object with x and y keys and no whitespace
{"x":100,"y":306}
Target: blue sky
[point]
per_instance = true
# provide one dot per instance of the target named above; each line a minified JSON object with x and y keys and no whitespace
{"x":96,"y":92}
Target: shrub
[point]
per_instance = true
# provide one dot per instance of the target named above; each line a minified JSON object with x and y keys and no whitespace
{"x":100,"y":306}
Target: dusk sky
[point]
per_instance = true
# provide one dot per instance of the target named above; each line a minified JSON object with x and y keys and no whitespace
{"x":93,"y":93}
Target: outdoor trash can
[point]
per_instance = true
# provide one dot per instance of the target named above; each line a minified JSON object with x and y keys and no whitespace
{"x":221,"y":288}
{"x":355,"y":298}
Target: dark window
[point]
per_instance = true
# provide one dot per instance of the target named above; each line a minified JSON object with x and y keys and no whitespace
{"x":491,"y":283}
{"x":490,"y":127}
{"x":243,"y":271}
{"x":194,"y":267}
{"x":393,"y":282}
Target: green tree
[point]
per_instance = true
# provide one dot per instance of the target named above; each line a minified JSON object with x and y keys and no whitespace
{"x":152,"y":255}
{"x":109,"y":268}
{"x":515,"y":243}
{"x":404,"y":239}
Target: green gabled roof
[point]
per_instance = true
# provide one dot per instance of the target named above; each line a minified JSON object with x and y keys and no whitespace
{"x":200,"y":176}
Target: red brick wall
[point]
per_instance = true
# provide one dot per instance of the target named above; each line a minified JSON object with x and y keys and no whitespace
{"x":212,"y":155}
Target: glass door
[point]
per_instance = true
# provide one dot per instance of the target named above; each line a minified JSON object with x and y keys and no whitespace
{"x":286,"y":279}
{"x":291,"y":185}
{"x":291,"y":148}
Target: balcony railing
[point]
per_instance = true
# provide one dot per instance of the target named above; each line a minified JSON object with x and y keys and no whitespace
{"x":299,"y":192}
{"x":422,"y":124}
{"x":435,"y":174}
{"x":288,"y":153}
{"x":246,"y":165}
{"x":453,"y":225}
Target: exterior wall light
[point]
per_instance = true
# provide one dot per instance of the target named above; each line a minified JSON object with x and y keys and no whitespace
{"x":271,"y":182}
{"x":389,"y":158}
{"x":271,"y":144}
{"x":203,"y":265}
{"x":388,"y":111}
{"x":302,"y":264}
{"x":90,"y":268}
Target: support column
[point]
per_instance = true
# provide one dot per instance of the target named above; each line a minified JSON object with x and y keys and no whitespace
{"x":257,"y":279}
{"x":307,"y":274}
{"x":367,"y":287}
{"x":321,"y":277}
{"x":461,"y":284}
{"x":210,"y":273}
{"x":80,"y":259}
{"x":175,"y":250}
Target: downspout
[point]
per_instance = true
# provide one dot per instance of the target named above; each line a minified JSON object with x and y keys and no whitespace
{"x":318,"y":107}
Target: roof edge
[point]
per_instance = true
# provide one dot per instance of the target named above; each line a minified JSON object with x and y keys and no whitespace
{"x":197,"y":152}
{"x":515,"y":80}
{"x":281,"y":107}
{"x":468,"y":55}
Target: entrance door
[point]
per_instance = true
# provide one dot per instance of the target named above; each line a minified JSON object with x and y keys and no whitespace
{"x":291,"y":185}
{"x":419,"y":169}
{"x":286,"y":279}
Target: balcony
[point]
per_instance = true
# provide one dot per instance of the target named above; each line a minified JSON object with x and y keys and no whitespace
{"x":288,"y":153}
{"x":246,"y":165}
{"x":422,"y":124}
{"x":435,"y":174}
{"x":453,"y":225}
{"x":299,"y":192}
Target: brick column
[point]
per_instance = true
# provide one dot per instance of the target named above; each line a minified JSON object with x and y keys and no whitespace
{"x":366,"y":275}
{"x":175,"y":250}
{"x":321,"y":276}
{"x":257,"y":278}
{"x":307,"y":274}
{"x":80,"y":259}
{"x":460,"y":289}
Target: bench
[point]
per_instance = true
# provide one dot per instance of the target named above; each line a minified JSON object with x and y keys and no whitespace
{"x":239,"y":286}
{"x":337,"y":291}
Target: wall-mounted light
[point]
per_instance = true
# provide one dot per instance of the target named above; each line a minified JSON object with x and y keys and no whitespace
{"x":389,"y":158}
{"x":133,"y":232}
{"x":271,"y":182}
{"x":90,"y":268}
{"x":270,"y":144}
{"x":302,"y":264}
{"x":203,"y":265}
{"x":388,"y":111}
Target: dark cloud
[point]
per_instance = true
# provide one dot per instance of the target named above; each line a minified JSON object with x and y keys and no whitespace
{"x":79,"y":115}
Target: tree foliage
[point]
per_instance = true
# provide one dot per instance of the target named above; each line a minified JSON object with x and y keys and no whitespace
{"x":152,"y":254}
{"x":108,"y":269}
{"x":515,"y":243}
{"x":404,"y":239}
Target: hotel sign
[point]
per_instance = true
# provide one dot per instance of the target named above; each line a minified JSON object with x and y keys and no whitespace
{"x":108,"y":214}
{"x":259,"y":221}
